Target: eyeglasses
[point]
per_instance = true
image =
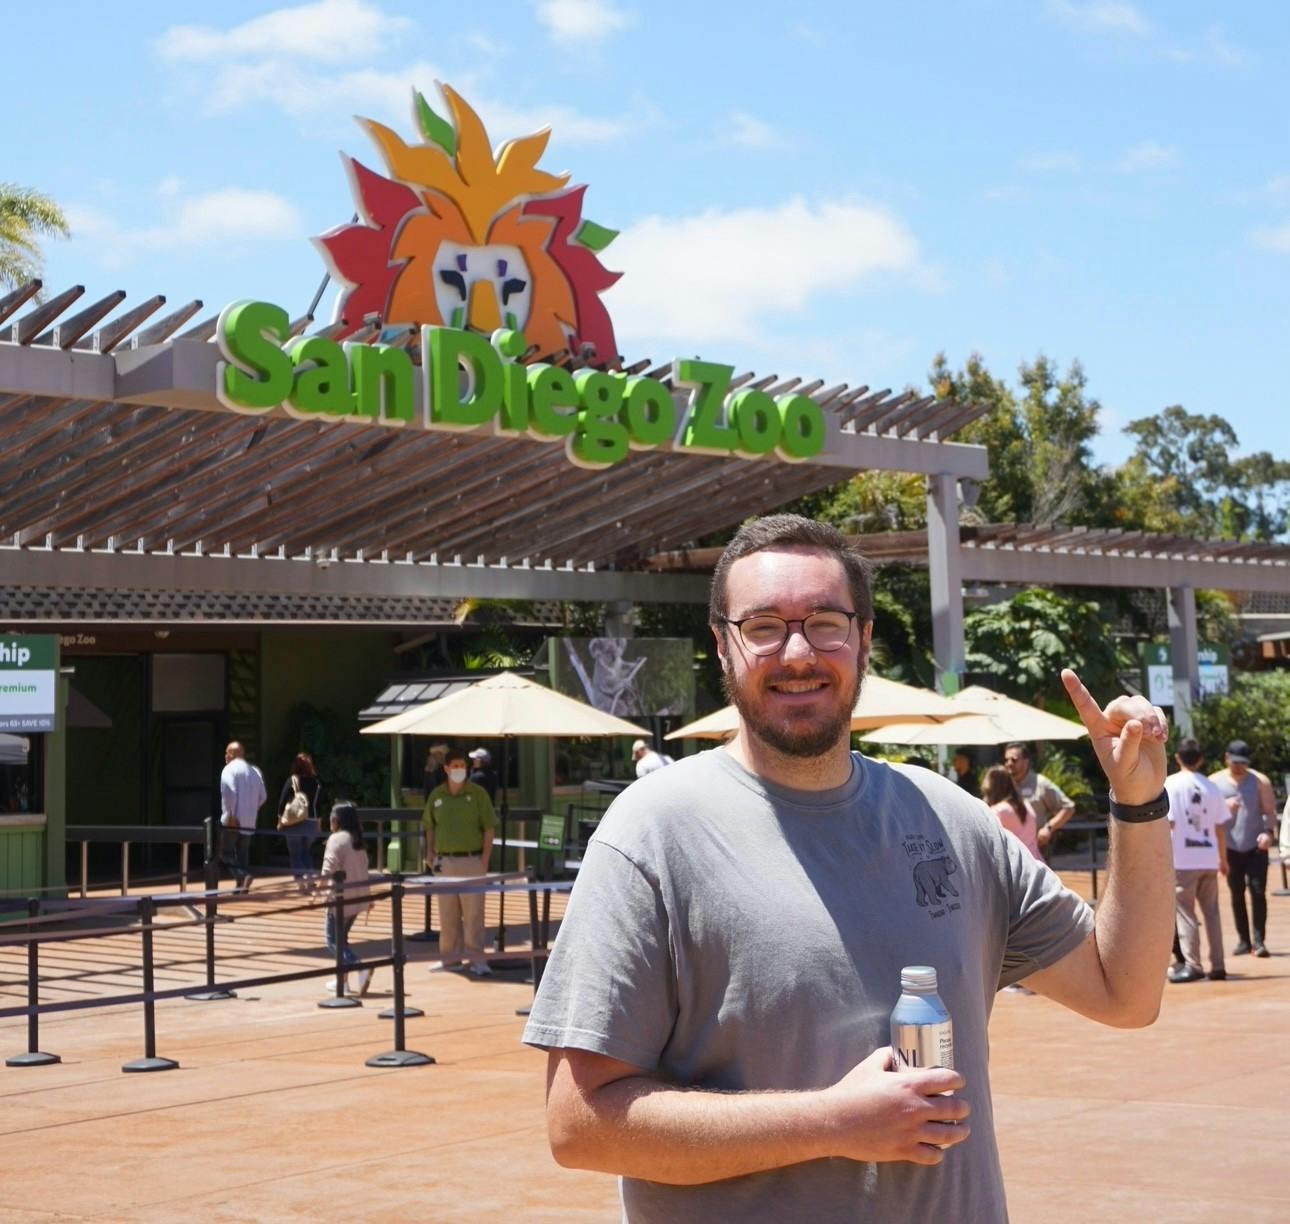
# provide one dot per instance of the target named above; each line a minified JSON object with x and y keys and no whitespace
{"x":1013,"y":760}
{"x":764,"y":634}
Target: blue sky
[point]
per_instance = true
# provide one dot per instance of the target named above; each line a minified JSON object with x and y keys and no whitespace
{"x":831,"y":190}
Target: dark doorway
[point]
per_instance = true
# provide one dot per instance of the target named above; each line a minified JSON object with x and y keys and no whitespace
{"x":190,"y":765}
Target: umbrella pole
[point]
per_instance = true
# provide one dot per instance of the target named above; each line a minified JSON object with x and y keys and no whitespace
{"x":506,"y":811}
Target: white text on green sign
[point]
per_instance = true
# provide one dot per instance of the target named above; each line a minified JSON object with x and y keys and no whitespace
{"x":473,"y":383}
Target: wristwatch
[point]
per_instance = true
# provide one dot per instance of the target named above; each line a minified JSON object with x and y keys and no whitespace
{"x":1140,"y":813}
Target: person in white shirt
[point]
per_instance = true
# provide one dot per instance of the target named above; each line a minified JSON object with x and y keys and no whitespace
{"x":241,"y":795}
{"x":647,"y":760}
{"x":347,"y":852}
{"x":1198,"y":817}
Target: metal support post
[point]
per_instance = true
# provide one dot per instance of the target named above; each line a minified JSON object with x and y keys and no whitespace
{"x":340,"y":998}
{"x":149,"y":1061}
{"x":945,"y":569}
{"x":34,"y":1057}
{"x":212,"y":992}
{"x":400,"y":1056}
{"x":1184,"y":654}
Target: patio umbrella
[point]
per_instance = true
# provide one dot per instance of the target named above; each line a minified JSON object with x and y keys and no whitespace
{"x":881,"y":701}
{"x":981,"y":717}
{"x":501,"y":707}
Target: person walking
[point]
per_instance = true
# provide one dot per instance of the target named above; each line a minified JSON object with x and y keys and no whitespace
{"x":459,"y":826}
{"x":1252,"y":827}
{"x":1050,"y":802}
{"x":715,"y":1009}
{"x":965,"y":773}
{"x":298,"y":818}
{"x":242,"y":794}
{"x":346,"y":851}
{"x":1197,"y":816}
{"x":647,"y":758}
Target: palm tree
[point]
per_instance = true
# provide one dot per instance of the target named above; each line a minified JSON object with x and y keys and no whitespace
{"x":24,"y":216}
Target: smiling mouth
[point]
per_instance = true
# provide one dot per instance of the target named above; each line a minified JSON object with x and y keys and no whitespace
{"x":798,"y":686}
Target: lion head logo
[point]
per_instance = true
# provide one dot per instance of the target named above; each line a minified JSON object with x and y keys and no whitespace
{"x":458,"y":237}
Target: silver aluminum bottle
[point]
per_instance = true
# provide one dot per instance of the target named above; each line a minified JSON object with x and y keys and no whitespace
{"x":922,"y":1034}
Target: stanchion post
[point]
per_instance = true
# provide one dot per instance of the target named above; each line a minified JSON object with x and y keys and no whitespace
{"x":427,"y":931}
{"x":340,"y":998}
{"x":149,"y":1061}
{"x":212,"y":992}
{"x":399,"y":1056}
{"x":34,"y":1057}
{"x":400,"y":1011}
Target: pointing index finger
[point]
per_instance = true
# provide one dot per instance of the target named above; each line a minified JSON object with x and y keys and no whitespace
{"x":1089,"y":711}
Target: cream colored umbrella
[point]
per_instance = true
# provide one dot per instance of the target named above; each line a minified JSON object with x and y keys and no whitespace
{"x":982,"y":717}
{"x":501,"y":705}
{"x":881,"y":701}
{"x":504,"y":706}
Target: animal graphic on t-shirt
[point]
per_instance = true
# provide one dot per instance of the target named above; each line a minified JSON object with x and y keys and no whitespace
{"x":932,"y":880}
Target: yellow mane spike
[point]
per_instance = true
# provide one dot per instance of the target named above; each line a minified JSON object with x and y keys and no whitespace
{"x":517,"y":166}
{"x":426,"y":165}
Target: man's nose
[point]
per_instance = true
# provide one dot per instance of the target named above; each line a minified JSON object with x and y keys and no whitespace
{"x":795,"y":644}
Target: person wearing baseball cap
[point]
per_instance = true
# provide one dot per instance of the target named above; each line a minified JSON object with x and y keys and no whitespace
{"x":482,"y":772}
{"x":1251,"y":826}
{"x":647,"y":760}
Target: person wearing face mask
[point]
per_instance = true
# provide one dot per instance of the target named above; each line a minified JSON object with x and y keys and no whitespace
{"x":459,"y":823}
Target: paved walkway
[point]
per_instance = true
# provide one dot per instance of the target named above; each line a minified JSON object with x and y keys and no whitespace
{"x":274,"y":1116}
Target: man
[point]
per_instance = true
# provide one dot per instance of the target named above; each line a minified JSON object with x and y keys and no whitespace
{"x":1253,"y":824}
{"x":459,"y":824}
{"x":1048,"y":799}
{"x":1197,"y":815}
{"x":482,"y":772}
{"x":965,"y":773}
{"x":716,"y":1006}
{"x":647,"y":760}
{"x":241,"y":794}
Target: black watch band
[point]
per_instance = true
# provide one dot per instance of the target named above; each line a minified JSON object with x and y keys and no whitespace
{"x":1140,"y":813}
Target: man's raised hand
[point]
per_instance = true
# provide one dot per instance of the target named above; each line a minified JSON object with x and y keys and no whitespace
{"x":1129,"y":739}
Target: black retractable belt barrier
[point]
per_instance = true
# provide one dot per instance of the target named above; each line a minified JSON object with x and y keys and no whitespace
{"x":149,"y":1061}
{"x":399,"y":1056}
{"x":212,"y":992}
{"x":397,"y":893}
{"x":340,"y":998}
{"x":34,"y":1057}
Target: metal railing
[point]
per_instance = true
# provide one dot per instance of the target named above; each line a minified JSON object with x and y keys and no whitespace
{"x":134,"y":835}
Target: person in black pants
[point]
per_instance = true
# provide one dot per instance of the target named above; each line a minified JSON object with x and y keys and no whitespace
{"x":1249,"y":837}
{"x":301,"y":837}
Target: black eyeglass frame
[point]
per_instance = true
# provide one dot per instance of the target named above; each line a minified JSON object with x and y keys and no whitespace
{"x":852,"y":618}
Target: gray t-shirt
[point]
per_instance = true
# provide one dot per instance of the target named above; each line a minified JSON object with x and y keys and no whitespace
{"x":732,"y":935}
{"x":1244,"y":828}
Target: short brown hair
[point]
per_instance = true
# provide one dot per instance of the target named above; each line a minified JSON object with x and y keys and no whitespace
{"x":792,"y":531}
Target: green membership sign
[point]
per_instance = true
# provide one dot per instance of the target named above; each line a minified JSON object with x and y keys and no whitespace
{"x":551,"y":833}
{"x":28,"y":683}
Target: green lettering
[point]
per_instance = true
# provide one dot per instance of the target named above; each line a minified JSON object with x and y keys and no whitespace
{"x":802,"y":428}
{"x":704,"y":433}
{"x":255,"y":374}
{"x":322,"y":379}
{"x":383,"y":382}
{"x":601,"y":438}
{"x":650,"y":413}
{"x":550,"y":390}
{"x":756,"y":420}
{"x":452,"y":356}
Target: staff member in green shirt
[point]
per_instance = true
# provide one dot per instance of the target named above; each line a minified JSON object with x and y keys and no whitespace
{"x":459,"y":823}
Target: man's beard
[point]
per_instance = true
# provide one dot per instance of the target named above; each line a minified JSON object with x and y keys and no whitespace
{"x":793,"y":737}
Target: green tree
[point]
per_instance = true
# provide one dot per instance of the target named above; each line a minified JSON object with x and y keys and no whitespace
{"x":1256,"y":710}
{"x":25,"y":217}
{"x":1019,"y":646}
{"x":1185,"y":476}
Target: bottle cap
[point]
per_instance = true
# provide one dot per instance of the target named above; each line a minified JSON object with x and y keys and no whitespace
{"x":918,"y":977}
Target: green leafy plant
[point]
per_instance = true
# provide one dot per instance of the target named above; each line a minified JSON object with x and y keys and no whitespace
{"x":1257,"y":710}
{"x":350,"y":766}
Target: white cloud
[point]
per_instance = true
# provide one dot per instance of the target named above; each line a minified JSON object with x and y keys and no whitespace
{"x":1213,"y":49}
{"x":1274,"y":238}
{"x":722,"y":275}
{"x":328,"y":32}
{"x":1146,"y":158}
{"x":309,"y":93}
{"x":1056,"y":161}
{"x":746,"y":131}
{"x":582,"y":20}
{"x":1100,"y":16}
{"x":216,"y":219}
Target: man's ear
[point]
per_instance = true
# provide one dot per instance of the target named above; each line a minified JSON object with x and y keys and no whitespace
{"x":718,"y":632}
{"x":866,"y":641}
